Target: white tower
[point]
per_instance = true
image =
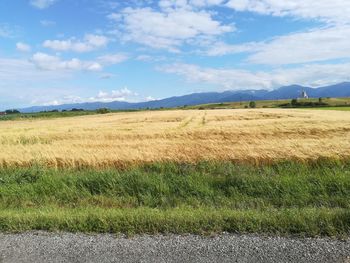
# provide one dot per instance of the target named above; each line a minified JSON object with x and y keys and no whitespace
{"x":304,"y":95}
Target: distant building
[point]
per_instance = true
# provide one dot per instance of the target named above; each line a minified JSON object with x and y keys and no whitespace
{"x":2,"y":113}
{"x":304,"y":95}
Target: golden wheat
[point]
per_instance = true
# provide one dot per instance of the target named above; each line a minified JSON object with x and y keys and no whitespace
{"x":259,"y":136}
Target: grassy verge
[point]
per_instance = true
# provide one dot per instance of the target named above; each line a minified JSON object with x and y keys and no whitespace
{"x":285,"y":198}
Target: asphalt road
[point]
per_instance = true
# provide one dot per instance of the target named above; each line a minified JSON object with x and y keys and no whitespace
{"x":65,"y":247}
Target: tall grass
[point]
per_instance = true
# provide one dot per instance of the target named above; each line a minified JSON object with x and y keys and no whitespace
{"x":290,"y":198}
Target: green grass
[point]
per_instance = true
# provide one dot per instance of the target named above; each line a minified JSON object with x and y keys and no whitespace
{"x":51,"y":115}
{"x":332,"y":102}
{"x":44,"y":115}
{"x":333,"y":108}
{"x":286,"y":198}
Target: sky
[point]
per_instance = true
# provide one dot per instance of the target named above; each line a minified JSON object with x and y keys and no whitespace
{"x":70,"y":51}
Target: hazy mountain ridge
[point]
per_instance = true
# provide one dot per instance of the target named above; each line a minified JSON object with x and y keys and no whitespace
{"x":286,"y":92}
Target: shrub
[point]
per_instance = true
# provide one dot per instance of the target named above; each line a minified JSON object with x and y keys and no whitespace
{"x":103,"y":111}
{"x":252,"y":104}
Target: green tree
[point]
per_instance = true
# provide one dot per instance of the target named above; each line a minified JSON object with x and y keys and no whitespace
{"x":103,"y":111}
{"x":252,"y":104}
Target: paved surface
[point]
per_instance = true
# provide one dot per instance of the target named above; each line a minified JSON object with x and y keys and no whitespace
{"x":64,"y":247}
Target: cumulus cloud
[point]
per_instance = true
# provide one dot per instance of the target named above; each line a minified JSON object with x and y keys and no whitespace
{"x":123,"y":94}
{"x":21,"y":81}
{"x":335,"y":11}
{"x":167,"y":29}
{"x":222,"y":48}
{"x":111,"y":59}
{"x":314,"y":45}
{"x":91,"y":42}
{"x":20,"y":46}
{"x":310,"y":75}
{"x":52,"y":63}
{"x":42,"y":4}
{"x":187,"y":4}
{"x":115,"y":95}
{"x":319,"y":44}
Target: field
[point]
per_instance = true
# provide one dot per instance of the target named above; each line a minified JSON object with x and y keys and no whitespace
{"x":274,"y":171}
{"x":117,"y":140}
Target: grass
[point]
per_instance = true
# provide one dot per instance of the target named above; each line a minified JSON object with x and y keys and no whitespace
{"x":44,"y":115}
{"x":268,"y":103}
{"x":334,"y":108}
{"x":121,"y":139}
{"x":208,"y":197}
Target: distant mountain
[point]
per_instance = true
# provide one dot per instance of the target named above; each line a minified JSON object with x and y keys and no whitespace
{"x":287,"y":92}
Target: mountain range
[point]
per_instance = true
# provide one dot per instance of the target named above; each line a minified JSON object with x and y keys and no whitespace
{"x":286,"y":92}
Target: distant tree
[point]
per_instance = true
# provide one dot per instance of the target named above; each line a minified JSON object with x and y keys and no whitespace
{"x":252,"y":104}
{"x":294,"y":102}
{"x":75,"y":109}
{"x":246,"y":106}
{"x":320,"y":100}
{"x":103,"y":111}
{"x":12,"y":111}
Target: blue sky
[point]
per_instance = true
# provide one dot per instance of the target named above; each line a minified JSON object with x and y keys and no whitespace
{"x":64,"y":51}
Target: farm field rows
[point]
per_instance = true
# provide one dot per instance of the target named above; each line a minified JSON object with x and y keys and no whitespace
{"x":116,"y":140}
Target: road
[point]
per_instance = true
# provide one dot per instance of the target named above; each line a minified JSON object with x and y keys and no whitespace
{"x":65,"y":247}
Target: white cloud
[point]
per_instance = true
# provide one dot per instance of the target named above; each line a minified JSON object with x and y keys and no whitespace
{"x":111,"y":59}
{"x":42,"y":4}
{"x":237,"y":79}
{"x":222,"y":48}
{"x":21,"y":82}
{"x":115,"y":95}
{"x":47,"y":23}
{"x":107,"y":76}
{"x":47,"y":62}
{"x":150,"y":98}
{"x":319,"y":44}
{"x":148,"y":58}
{"x":23,"y":47}
{"x":123,"y":94}
{"x":20,"y":70}
{"x":335,"y":11}
{"x":90,"y":43}
{"x":315,"y":45}
{"x":168,"y":29}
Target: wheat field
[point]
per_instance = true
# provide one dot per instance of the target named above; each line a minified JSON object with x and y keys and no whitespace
{"x":120,"y":139}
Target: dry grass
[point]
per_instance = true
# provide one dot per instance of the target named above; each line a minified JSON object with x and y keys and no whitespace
{"x":258,"y":136}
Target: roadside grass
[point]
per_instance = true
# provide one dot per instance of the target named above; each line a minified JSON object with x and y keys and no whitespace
{"x":307,"y":199}
{"x":309,"y":222}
